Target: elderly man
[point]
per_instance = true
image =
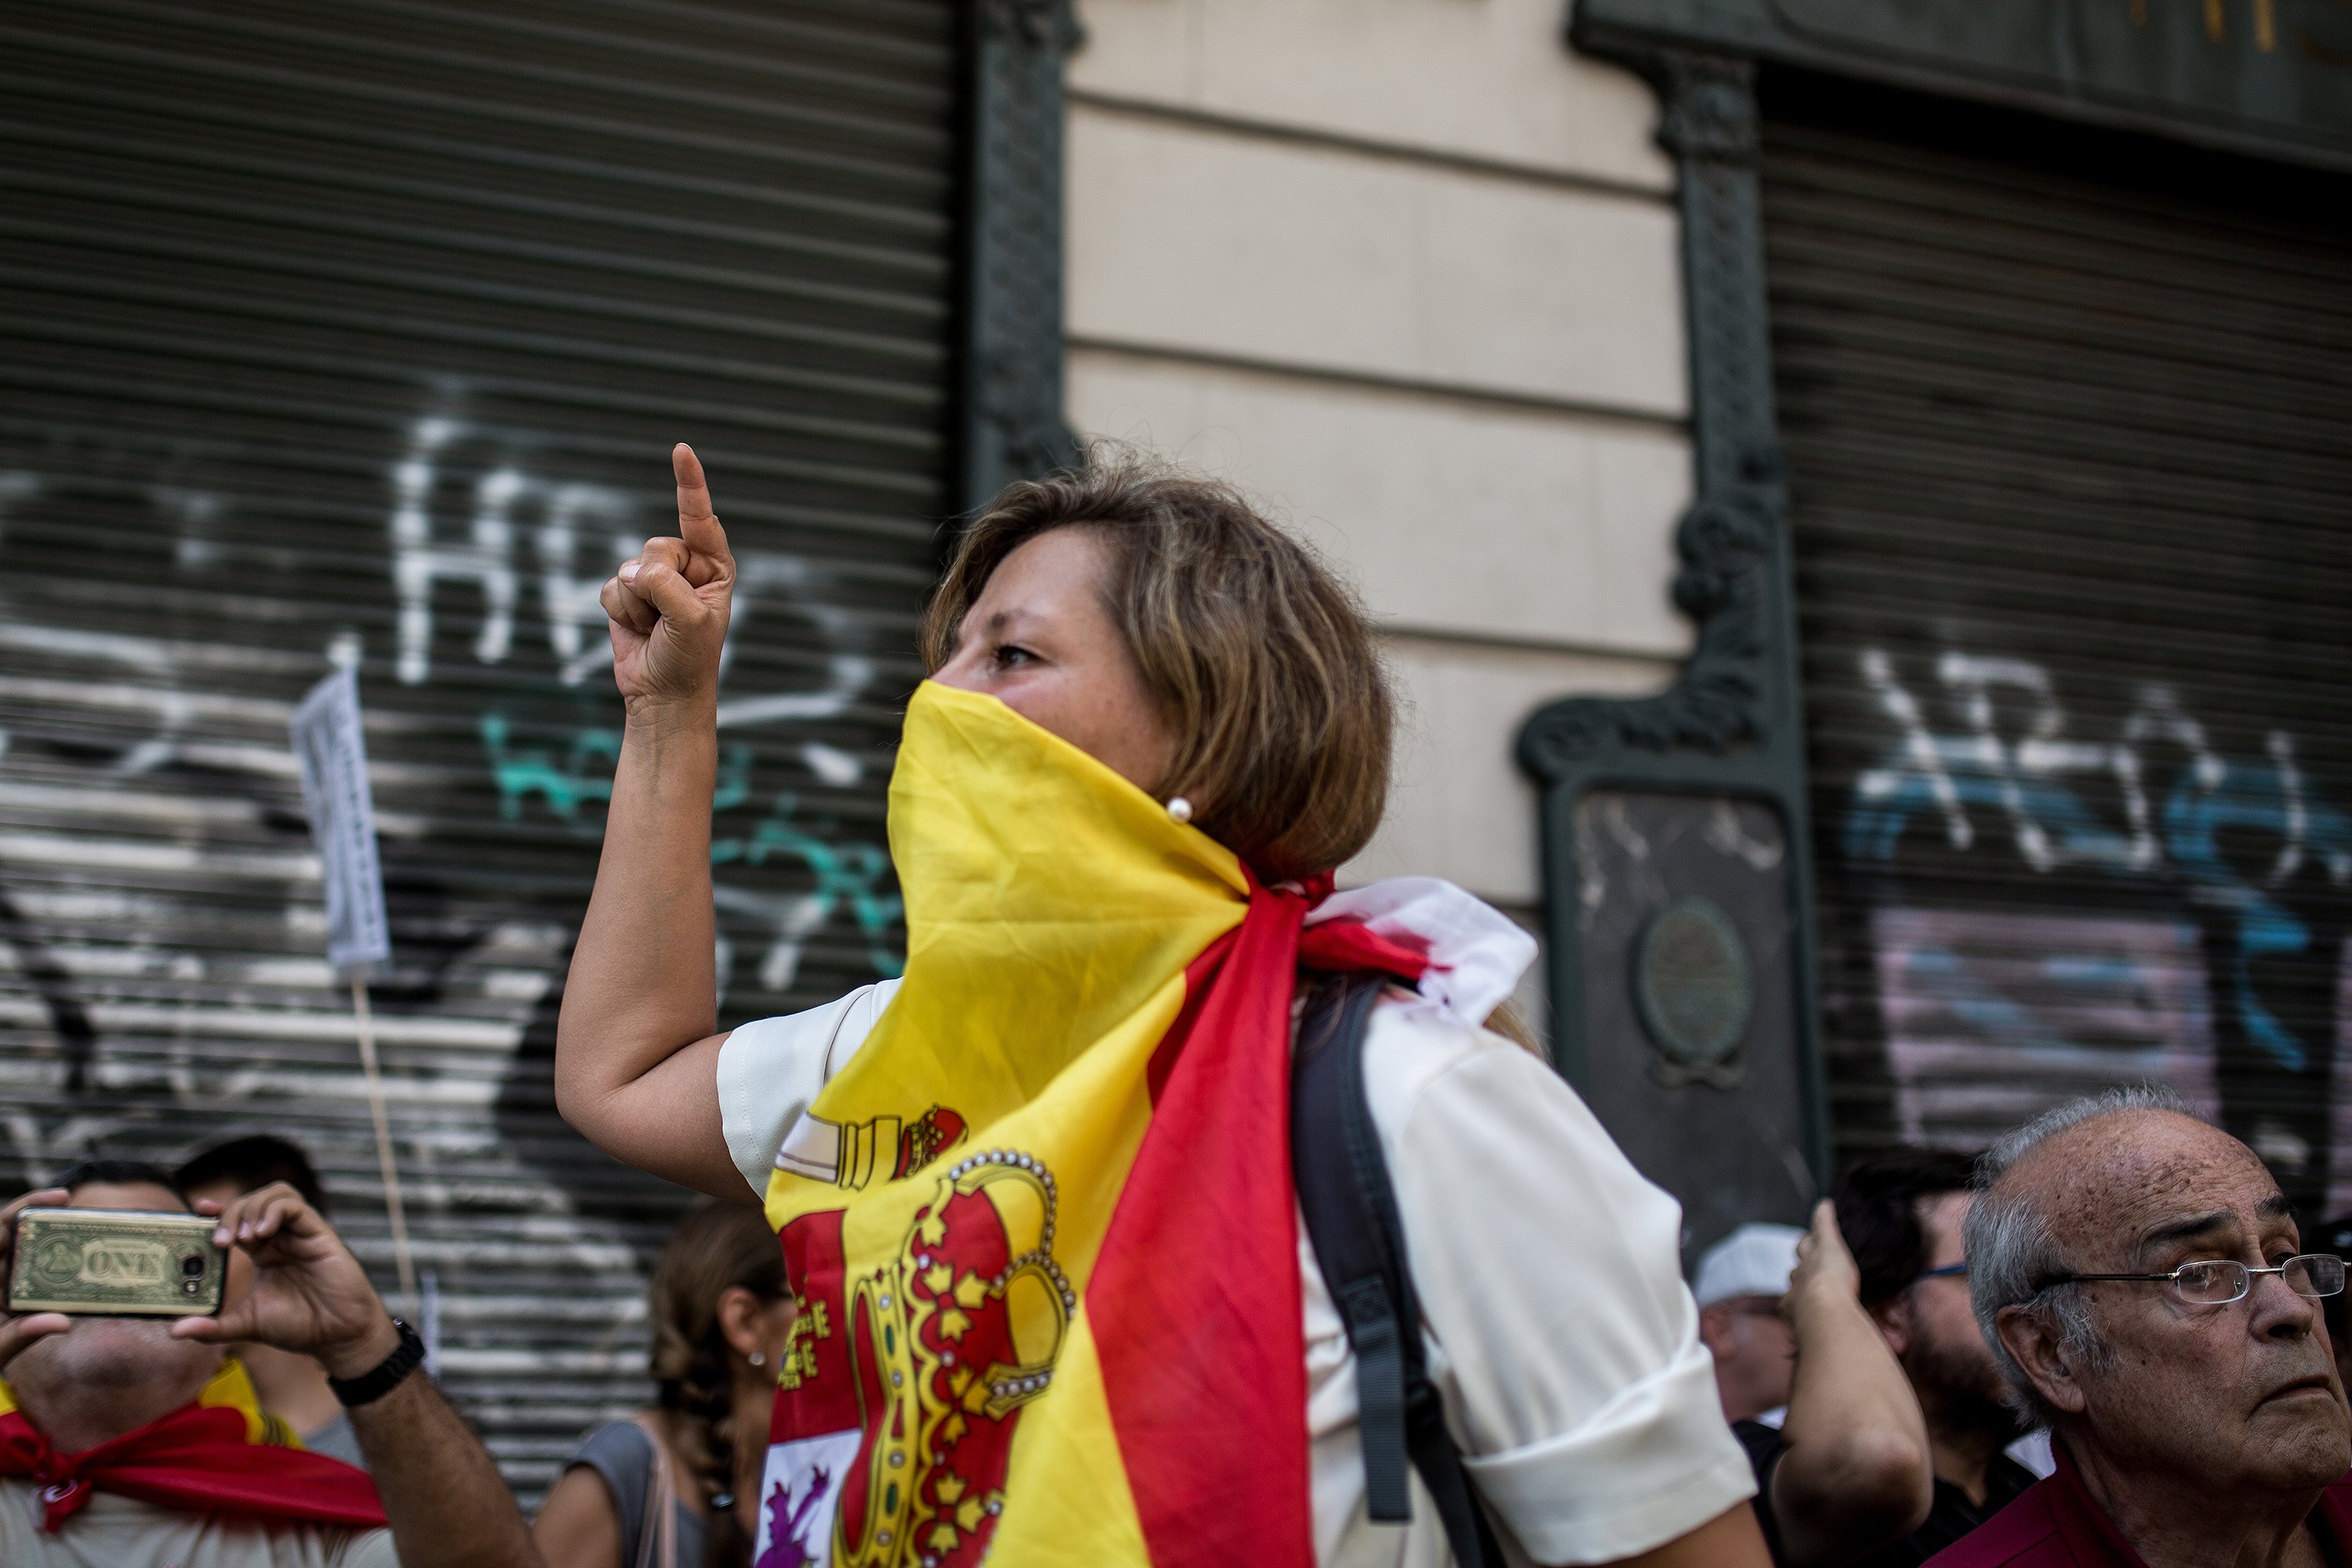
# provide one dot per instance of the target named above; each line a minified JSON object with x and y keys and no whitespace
{"x":2140,"y":1278}
{"x":130,"y":1440}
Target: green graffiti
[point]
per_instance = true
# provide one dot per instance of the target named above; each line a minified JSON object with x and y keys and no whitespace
{"x":856,"y":874}
{"x":585,"y":774}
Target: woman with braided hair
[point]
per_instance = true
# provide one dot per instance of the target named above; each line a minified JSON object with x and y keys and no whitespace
{"x":673,"y":1486}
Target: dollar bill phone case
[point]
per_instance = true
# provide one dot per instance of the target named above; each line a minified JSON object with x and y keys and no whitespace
{"x":102,"y":1263}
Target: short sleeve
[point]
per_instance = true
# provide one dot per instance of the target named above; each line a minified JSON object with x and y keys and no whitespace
{"x":1549,"y":1278}
{"x":372,"y":1548}
{"x":622,"y":1454}
{"x":769,"y":1069}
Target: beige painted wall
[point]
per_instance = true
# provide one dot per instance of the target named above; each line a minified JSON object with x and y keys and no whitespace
{"x":1407,"y":270}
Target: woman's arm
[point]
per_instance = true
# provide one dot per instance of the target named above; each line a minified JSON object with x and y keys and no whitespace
{"x":578,"y":1527}
{"x":635,"y":1051}
{"x":1730,"y":1540}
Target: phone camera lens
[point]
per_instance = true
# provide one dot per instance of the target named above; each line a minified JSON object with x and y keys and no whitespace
{"x":192,"y":1267}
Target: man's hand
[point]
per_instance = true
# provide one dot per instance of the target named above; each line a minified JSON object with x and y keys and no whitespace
{"x":670,"y":605}
{"x":16,"y":1332}
{"x":1825,"y":1268}
{"x":1858,"y":1471}
{"x":308,"y":1292}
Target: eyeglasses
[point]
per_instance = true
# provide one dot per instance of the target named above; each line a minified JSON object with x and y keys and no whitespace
{"x":2216,"y":1282}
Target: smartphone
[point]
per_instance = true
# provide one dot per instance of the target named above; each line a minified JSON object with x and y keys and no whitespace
{"x":105,"y":1262}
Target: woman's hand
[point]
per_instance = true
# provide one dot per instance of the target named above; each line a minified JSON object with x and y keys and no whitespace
{"x":637,"y":1051}
{"x":670,"y":605}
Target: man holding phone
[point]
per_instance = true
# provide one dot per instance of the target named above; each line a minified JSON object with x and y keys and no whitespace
{"x":114,"y":1447}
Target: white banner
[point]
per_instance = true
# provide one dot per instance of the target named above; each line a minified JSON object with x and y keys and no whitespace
{"x":333,"y":755}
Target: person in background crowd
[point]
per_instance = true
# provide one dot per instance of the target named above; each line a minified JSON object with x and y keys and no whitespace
{"x":136,"y":1441}
{"x":722,"y":1326}
{"x":1901,"y":1212}
{"x":1739,"y":1285}
{"x":1847,"y":1468}
{"x":2143,"y":1284}
{"x":291,"y":1387}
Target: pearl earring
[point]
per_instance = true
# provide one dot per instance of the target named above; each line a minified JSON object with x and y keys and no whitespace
{"x":758,"y":1358}
{"x":1180,"y":810}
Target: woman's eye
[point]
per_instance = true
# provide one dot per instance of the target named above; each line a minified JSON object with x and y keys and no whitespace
{"x":1009,"y":656}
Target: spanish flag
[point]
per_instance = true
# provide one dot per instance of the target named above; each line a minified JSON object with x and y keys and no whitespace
{"x":1041,"y":1228}
{"x":219,"y":1453}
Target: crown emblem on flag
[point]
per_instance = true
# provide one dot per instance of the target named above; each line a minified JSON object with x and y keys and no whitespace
{"x":946,"y":1344}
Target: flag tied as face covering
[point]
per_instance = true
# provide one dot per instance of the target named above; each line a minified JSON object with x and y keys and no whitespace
{"x":1041,"y":1228}
{"x":217,"y":1454}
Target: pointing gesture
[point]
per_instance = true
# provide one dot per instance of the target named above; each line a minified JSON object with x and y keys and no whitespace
{"x":670,"y":605}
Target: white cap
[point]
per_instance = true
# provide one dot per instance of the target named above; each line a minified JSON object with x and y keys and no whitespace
{"x":1754,"y":1260}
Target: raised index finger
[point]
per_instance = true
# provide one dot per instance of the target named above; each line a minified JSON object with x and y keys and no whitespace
{"x":697,"y":524}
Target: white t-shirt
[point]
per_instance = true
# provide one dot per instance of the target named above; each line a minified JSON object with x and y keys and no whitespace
{"x":1557,"y":1325}
{"x":115,"y":1532}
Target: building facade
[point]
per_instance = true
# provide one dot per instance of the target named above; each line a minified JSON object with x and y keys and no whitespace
{"x":1856,"y":517}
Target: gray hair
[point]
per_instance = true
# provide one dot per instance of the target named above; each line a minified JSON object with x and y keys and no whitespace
{"x":2011,"y":1253}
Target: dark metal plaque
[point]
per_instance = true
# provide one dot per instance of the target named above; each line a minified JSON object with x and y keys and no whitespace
{"x":1689,"y":1006}
{"x":1696,"y":989}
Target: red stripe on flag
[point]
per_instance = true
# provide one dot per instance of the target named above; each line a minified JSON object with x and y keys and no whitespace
{"x":1195,"y":1293}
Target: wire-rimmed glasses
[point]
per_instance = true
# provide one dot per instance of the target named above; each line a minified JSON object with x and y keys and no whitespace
{"x":2218,"y":1281}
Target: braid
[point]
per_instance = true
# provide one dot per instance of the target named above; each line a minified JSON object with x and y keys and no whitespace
{"x":717,"y":1248}
{"x":723,"y":1544}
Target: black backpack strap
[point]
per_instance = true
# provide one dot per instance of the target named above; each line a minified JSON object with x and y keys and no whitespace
{"x":1351,"y":1218}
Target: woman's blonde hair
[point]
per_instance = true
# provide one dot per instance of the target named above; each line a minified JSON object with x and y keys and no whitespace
{"x":1259,"y":658}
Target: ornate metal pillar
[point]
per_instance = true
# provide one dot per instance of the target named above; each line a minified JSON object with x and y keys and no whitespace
{"x":1012,"y":425}
{"x":1677,"y":859}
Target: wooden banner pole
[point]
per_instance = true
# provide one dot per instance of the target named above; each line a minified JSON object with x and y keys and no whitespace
{"x":400,"y":1257}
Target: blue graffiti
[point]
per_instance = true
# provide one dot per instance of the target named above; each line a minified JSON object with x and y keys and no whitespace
{"x":2030,"y":780}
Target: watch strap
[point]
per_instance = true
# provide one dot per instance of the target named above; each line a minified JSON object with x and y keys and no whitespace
{"x":386,"y":1375}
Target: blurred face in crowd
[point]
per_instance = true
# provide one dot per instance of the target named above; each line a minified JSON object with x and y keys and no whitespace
{"x":1929,"y":1326}
{"x":1040,"y":638}
{"x":62,"y":1374}
{"x":1755,"y":1353}
{"x":2237,"y":1400}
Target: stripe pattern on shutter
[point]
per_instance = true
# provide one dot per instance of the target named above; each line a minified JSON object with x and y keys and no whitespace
{"x":2069,"y":461}
{"x":360,"y":329}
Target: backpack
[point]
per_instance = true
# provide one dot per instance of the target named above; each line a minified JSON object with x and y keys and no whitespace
{"x":1351,"y":1217}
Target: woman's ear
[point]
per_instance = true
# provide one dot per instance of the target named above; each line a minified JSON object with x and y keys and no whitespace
{"x":739,"y":1321}
{"x":2032,"y":1342}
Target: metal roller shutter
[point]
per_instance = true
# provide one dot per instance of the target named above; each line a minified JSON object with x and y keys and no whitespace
{"x":361,"y":327}
{"x":2069,"y":461}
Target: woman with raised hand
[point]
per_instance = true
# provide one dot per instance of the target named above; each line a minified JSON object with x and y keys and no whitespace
{"x":1035,"y":1198}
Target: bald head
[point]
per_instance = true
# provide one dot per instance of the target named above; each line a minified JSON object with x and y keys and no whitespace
{"x":2141,"y":1382}
{"x":2110,"y":1187}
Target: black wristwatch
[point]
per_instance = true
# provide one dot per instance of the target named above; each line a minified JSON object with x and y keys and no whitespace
{"x":386,"y":1375}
